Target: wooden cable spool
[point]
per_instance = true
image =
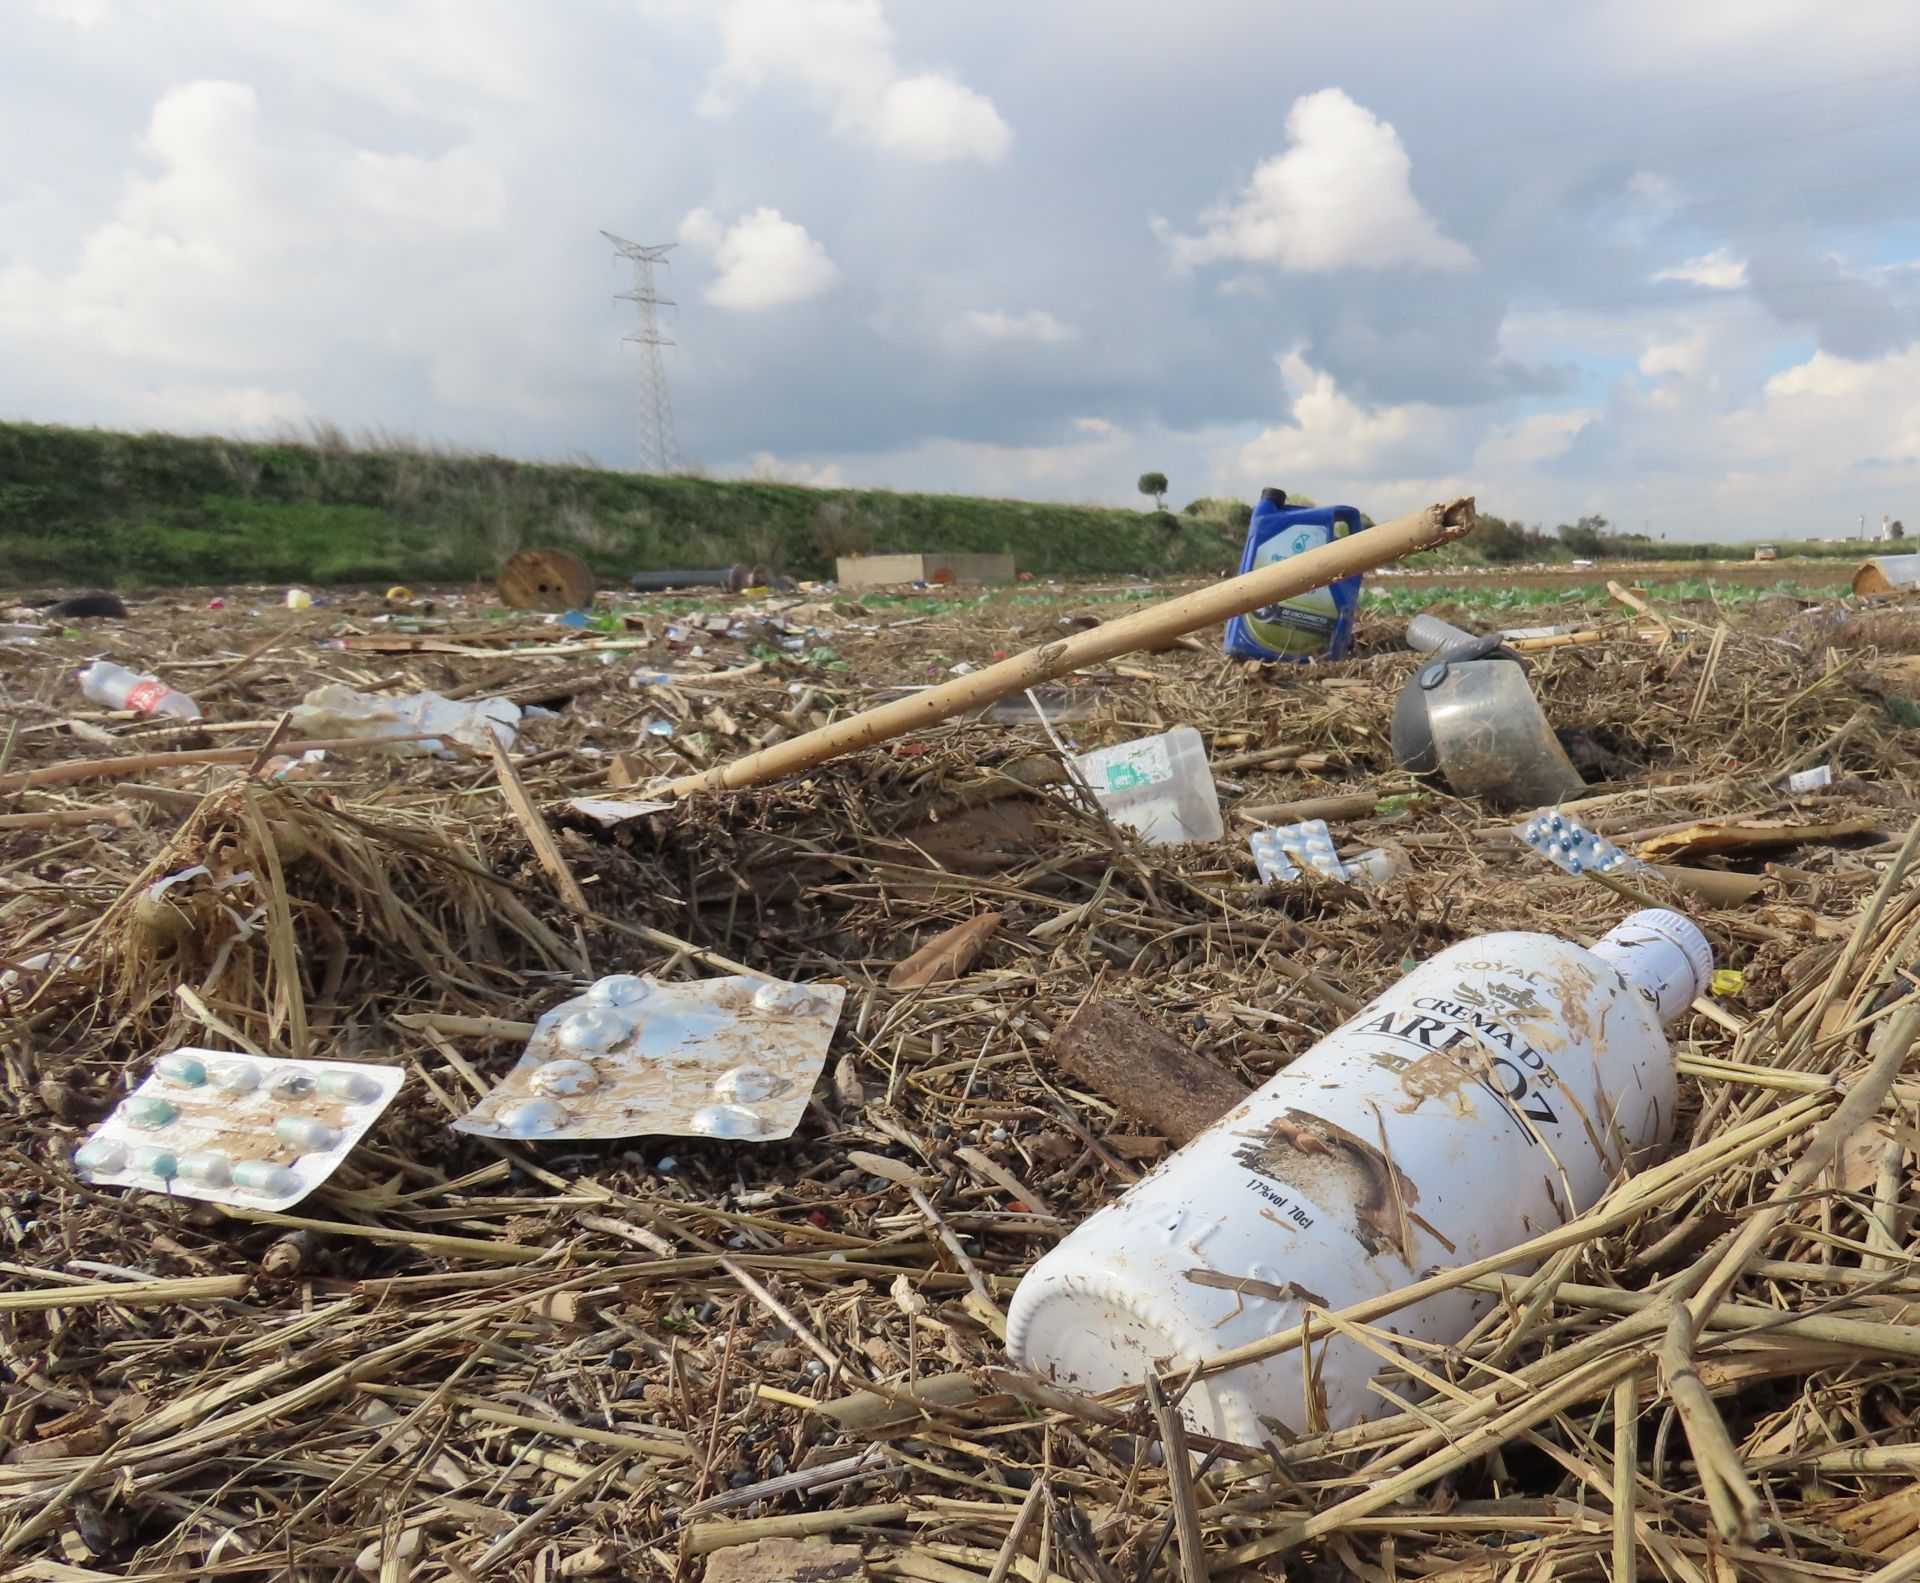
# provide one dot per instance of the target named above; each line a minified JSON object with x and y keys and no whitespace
{"x":546,"y":580}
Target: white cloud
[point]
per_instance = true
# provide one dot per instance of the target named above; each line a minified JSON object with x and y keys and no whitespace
{"x":1718,"y":271}
{"x":1540,"y":437}
{"x":996,"y":324}
{"x":1339,"y":198}
{"x":223,"y":409}
{"x":842,"y":51}
{"x":226,"y":230}
{"x":766,"y":468}
{"x":1093,"y":425}
{"x":1651,"y":185}
{"x":1333,"y":436}
{"x":764,"y":260}
{"x":81,"y":13}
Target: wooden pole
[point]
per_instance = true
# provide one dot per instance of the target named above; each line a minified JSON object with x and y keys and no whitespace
{"x":1155,"y":626}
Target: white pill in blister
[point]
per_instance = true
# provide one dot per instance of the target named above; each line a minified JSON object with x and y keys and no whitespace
{"x":307,"y":1133}
{"x":208,"y":1167}
{"x":235,"y":1077}
{"x":785,"y":999}
{"x":265,"y":1177}
{"x":355,"y":1088}
{"x":189,"y":1071}
{"x":101,"y":1156}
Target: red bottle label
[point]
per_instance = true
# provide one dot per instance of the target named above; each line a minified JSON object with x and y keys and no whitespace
{"x":144,"y":697}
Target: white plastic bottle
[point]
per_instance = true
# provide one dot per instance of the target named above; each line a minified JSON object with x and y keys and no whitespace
{"x":1487,"y":1097}
{"x":119,"y":688}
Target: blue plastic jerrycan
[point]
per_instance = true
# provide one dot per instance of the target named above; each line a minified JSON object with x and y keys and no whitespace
{"x":1316,"y":625}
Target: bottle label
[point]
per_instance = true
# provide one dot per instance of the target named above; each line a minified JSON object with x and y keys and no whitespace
{"x":1297,"y":1160}
{"x":1461,"y":1039}
{"x":144,"y":697}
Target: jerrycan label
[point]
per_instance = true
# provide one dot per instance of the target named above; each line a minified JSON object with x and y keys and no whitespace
{"x":1303,"y":624}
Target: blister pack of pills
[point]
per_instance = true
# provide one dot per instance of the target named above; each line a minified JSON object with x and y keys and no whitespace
{"x":1280,"y":853}
{"x":713,"y":1058}
{"x":1562,"y":839}
{"x":237,"y":1129}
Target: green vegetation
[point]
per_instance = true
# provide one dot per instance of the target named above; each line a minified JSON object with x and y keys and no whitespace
{"x":97,"y":508}
{"x":1587,"y":597}
{"x":1496,"y":541}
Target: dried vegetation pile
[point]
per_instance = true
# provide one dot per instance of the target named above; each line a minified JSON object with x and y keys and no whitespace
{"x":465,"y":1359}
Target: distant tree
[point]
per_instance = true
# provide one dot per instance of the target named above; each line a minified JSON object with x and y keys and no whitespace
{"x":1240,"y":516}
{"x":1501,"y":541}
{"x":1896,"y":529}
{"x":1585,"y":536}
{"x":1155,"y":484}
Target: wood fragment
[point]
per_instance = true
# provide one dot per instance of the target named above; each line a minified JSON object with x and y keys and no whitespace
{"x":1146,"y":1074}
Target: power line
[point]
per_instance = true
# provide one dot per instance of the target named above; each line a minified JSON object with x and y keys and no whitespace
{"x":657,"y":447}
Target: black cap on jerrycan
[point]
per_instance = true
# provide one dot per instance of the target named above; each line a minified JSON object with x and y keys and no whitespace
{"x":1274,"y":497}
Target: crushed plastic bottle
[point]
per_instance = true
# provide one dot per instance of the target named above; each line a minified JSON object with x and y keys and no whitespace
{"x":1487,"y":1097}
{"x":119,"y":688}
{"x":337,"y":711}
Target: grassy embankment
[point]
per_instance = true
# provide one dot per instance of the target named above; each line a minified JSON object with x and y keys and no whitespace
{"x":98,"y":508}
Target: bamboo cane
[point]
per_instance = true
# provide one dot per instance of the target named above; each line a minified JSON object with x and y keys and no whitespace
{"x":1155,"y":626}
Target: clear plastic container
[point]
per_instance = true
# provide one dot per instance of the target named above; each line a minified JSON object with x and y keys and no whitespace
{"x":1160,"y":787}
{"x":1486,"y":1098}
{"x":119,"y":688}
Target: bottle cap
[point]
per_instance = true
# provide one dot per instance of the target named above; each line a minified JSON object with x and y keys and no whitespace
{"x":1663,"y":955}
{"x":1274,"y":497}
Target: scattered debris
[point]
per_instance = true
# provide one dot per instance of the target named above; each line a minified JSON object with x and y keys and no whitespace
{"x":883,"y":571}
{"x":948,"y":955}
{"x":734,"y":579}
{"x":86,"y":607}
{"x":571,"y":1357}
{"x":546,"y":579}
{"x":419,"y":723}
{"x":1149,"y":1076}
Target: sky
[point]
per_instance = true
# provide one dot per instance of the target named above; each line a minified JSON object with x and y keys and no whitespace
{"x":1655,"y":261}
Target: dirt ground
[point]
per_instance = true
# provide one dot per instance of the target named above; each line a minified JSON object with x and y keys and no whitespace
{"x":468,"y":1358}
